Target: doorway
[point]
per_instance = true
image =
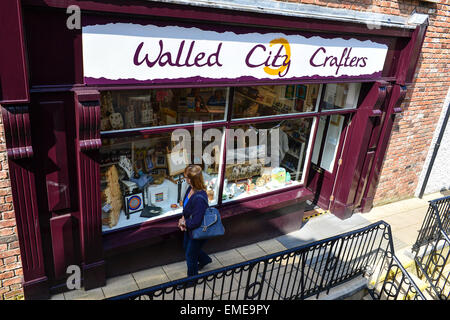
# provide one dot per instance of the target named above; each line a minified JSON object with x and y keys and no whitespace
{"x":326,"y":157}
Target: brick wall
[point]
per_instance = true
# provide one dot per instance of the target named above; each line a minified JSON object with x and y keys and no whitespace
{"x":10,"y":263}
{"x":413,"y":129}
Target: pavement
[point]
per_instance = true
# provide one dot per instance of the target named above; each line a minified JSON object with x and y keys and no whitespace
{"x":405,"y":218}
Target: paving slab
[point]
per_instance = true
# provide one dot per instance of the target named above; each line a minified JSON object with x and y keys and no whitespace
{"x":271,"y":246}
{"x":229,"y":257}
{"x":150,"y":277}
{"x":119,"y":285}
{"x":251,"y":251}
{"x":94,"y":294}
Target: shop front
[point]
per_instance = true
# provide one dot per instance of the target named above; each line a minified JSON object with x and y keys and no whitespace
{"x":277,"y":110}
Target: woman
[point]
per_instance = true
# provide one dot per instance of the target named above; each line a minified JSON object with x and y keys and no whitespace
{"x":195,"y":203}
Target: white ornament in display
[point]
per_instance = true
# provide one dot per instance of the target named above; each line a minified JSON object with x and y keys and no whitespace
{"x":126,"y":165}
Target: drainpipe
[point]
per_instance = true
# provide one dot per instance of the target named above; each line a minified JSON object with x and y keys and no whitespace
{"x":435,"y":151}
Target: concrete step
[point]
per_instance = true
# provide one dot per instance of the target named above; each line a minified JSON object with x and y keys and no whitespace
{"x":354,"y":289}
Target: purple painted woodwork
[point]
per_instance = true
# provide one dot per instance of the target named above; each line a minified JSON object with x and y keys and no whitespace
{"x":22,"y":176}
{"x":397,"y":95}
{"x":53,"y":141}
{"x":87,"y":108}
{"x":53,"y":50}
{"x":13,"y":66}
{"x":355,"y":151}
{"x":410,"y":56}
{"x":63,"y":244}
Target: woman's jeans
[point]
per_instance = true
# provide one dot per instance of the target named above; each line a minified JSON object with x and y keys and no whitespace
{"x":194,"y":254}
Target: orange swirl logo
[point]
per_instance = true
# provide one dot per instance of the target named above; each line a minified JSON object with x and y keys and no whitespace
{"x":274,"y":65}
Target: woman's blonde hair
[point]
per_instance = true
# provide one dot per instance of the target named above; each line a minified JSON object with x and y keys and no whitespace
{"x":194,"y":173}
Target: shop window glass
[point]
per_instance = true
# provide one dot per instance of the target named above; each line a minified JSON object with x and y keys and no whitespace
{"x":265,"y":157}
{"x":325,"y":148}
{"x":142,"y":178}
{"x":260,"y":101}
{"x":131,"y":109}
{"x":340,"y":96}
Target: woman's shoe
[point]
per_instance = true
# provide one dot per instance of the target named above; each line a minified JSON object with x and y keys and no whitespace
{"x":201,"y":266}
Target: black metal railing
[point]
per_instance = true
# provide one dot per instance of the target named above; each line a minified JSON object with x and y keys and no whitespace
{"x":432,"y":248}
{"x":299,"y":273}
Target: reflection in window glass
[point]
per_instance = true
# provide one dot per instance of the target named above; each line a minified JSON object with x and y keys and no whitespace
{"x":274,"y":100}
{"x":146,"y":108}
{"x":325,"y":148}
{"x":142,"y":178}
{"x":265,"y":157}
{"x":341,"y":96}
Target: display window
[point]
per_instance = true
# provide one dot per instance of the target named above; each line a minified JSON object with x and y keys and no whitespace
{"x":262,"y":144}
{"x":265,"y":157}
{"x":259,"y":101}
{"x":326,"y":144}
{"x":142,"y":177}
{"x":132,"y":109}
{"x":340,"y":96}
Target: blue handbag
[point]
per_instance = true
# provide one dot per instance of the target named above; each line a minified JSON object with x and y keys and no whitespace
{"x":211,"y":225}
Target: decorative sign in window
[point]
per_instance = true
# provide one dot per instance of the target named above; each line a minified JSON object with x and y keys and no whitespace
{"x":133,"y":53}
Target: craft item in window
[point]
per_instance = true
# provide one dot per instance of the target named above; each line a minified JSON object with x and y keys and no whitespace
{"x":139,"y":161}
{"x":266,"y":174}
{"x":134,"y":203}
{"x":232,"y":191}
{"x":151,"y":211}
{"x":146,"y":114}
{"x":260,"y":182}
{"x":217,"y":99}
{"x":143,"y":180}
{"x":129,"y":187}
{"x":129,"y":117}
{"x":168,"y":116}
{"x":158,"y":195}
{"x":112,"y":196}
{"x":126,"y":165}
{"x":279,"y":175}
{"x":106,"y":110}
{"x":159,"y":160}
{"x":116,"y":121}
{"x":149,"y":160}
{"x":250,"y":185}
{"x":158,"y":179}
{"x":177,"y":161}
{"x":242,"y":171}
{"x":266,"y":95}
{"x":252,"y":110}
{"x":290,"y":91}
{"x":288,"y":177}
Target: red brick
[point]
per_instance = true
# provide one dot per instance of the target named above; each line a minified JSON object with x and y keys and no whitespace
{"x":11,"y":281}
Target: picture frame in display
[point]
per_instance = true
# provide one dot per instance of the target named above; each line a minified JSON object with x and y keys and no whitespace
{"x":300,"y":91}
{"x":290,"y":91}
{"x":177,"y":161}
{"x":159,"y":161}
{"x":133,"y":203}
{"x":158,"y":195}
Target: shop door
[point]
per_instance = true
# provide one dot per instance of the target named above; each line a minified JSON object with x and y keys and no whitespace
{"x":326,"y":156}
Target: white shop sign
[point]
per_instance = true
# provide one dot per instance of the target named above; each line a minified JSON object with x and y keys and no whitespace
{"x":125,"y":52}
